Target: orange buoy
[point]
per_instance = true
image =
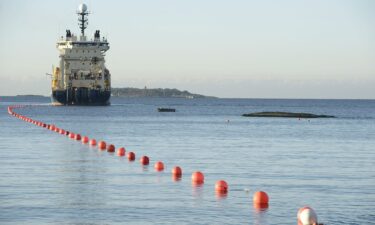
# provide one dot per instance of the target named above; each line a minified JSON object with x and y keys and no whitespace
{"x":131,"y":156}
{"x":57,"y":130}
{"x":307,"y":216}
{"x":121,"y":151}
{"x":77,"y":137}
{"x":111,"y":148}
{"x":62,"y":131}
{"x":102,"y":145}
{"x":144,"y":160}
{"x":159,"y":166}
{"x":85,"y":140}
{"x":197,"y":177}
{"x":221,"y":186}
{"x":260,"y":197}
{"x":71,"y":135}
{"x":92,"y":142}
{"x":176,"y":171}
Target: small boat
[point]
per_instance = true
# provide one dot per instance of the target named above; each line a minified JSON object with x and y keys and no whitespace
{"x":166,"y":110}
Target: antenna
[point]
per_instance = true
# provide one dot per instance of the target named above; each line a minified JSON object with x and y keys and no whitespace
{"x":83,"y":22}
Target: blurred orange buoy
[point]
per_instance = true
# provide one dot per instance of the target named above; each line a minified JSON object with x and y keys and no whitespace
{"x":159,"y":166}
{"x":131,"y":156}
{"x":102,"y":145}
{"x":144,"y":160}
{"x":221,"y":186}
{"x":121,"y":151}
{"x":197,"y":177}
{"x":93,"y":142}
{"x":176,"y":171}
{"x":71,"y":135}
{"x":260,"y":197}
{"x":62,"y":131}
{"x":111,"y":148}
{"x":85,"y":140}
{"x":77,"y":137}
{"x":307,"y":216}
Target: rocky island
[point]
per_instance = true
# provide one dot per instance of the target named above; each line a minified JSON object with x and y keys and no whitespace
{"x":156,"y":92}
{"x":286,"y":115}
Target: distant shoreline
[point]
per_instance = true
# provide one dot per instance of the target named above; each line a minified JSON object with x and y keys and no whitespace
{"x":28,"y":96}
{"x":155,"y":92}
{"x":206,"y":97}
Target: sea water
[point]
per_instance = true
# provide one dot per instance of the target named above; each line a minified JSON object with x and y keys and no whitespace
{"x":327,"y":163}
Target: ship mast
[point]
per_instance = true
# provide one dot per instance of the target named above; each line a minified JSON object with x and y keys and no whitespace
{"x":83,"y":22}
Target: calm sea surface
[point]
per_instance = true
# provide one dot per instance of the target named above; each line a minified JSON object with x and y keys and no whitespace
{"x":328,"y":164}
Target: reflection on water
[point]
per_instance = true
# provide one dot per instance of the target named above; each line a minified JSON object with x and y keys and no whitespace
{"x":260,"y":214}
{"x":176,"y":178}
{"x":221,"y":195}
{"x":197,"y":190}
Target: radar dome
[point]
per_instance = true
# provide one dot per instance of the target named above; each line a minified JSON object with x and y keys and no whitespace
{"x":82,"y":8}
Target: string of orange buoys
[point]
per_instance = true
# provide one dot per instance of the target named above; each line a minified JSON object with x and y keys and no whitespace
{"x":305,"y":215}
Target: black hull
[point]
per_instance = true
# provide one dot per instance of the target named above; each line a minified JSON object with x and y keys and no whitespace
{"x":81,"y":96}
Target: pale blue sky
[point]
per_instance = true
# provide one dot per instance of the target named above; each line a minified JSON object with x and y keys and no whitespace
{"x":270,"y":49}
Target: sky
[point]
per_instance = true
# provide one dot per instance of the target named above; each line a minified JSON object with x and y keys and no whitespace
{"x":223,"y":48}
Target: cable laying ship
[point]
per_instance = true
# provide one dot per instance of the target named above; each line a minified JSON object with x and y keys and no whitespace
{"x":81,"y":78}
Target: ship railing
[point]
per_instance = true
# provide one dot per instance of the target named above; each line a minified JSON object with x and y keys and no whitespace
{"x":85,"y":77}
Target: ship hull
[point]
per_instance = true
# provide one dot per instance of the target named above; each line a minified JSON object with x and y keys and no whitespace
{"x":80,"y":96}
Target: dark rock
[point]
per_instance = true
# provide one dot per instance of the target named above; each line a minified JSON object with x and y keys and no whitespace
{"x":166,"y":110}
{"x":286,"y":115}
